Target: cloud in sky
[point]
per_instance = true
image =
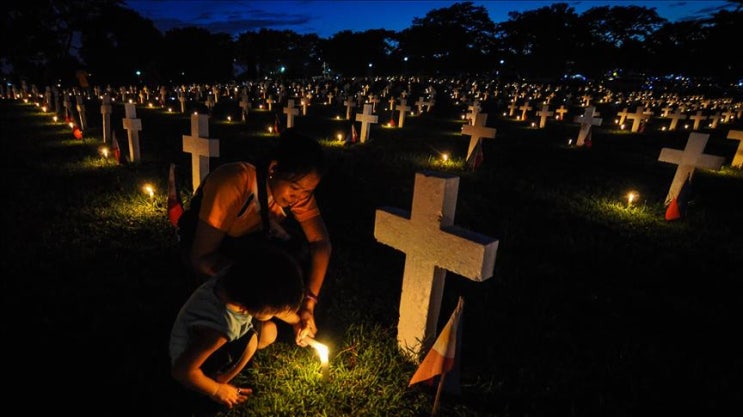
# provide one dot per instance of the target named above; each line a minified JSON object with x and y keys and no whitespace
{"x":326,"y":18}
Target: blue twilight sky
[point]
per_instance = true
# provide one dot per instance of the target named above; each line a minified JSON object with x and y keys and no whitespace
{"x":325,"y":18}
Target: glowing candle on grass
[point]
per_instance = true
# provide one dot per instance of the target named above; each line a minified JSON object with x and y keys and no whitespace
{"x":631,"y":198}
{"x":322,"y":352}
{"x":149,"y":190}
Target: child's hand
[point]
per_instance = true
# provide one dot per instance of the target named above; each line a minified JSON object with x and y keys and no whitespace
{"x":230,"y":395}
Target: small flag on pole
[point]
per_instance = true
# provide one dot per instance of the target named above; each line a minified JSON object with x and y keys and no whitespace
{"x":677,"y":209}
{"x":352,"y":137}
{"x":440,"y":359}
{"x":175,"y":206}
{"x":477,"y":156}
{"x":277,"y":124}
{"x":115,"y":150}
{"x":77,"y":132}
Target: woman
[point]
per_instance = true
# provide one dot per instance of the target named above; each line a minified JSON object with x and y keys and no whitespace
{"x":233,"y":198}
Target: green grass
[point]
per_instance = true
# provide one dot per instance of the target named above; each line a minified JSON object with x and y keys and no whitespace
{"x":594,"y":308}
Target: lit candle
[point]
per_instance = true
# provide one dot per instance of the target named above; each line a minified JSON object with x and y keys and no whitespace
{"x":149,"y":190}
{"x":322,"y":352}
{"x":631,"y":197}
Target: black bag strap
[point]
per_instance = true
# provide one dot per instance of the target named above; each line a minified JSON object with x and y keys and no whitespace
{"x":262,"y":197}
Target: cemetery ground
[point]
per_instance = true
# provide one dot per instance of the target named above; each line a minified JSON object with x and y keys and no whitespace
{"x":594,"y":307}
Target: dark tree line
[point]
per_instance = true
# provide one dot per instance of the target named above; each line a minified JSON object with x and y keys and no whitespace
{"x":47,"y":41}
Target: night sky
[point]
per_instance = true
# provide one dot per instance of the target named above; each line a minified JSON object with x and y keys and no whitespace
{"x":326,"y":18}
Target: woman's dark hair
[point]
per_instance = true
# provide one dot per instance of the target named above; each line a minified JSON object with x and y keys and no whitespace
{"x":298,"y":155}
{"x":266,"y":279}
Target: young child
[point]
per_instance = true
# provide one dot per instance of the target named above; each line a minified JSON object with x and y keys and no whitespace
{"x":226,"y":319}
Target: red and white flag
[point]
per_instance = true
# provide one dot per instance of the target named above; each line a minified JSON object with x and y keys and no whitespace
{"x":175,"y":206}
{"x":440,"y":359}
{"x":477,"y":156}
{"x":277,"y":124}
{"x":677,"y":208}
{"x":115,"y":150}
{"x":352,"y":137}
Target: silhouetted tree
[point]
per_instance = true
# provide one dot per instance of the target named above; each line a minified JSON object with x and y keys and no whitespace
{"x":41,"y":38}
{"x":195,"y":55}
{"x":617,"y":34}
{"x":459,"y":38}
{"x":120,"y":43}
{"x":278,"y":53}
{"x":544,"y":42}
{"x":350,"y":53}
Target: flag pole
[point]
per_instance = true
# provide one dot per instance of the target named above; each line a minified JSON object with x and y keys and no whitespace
{"x":436,"y":401}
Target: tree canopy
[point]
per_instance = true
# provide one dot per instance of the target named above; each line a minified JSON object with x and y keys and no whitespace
{"x":54,"y":39}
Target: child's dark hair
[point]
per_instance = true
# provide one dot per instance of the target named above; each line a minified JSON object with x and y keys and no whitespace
{"x":266,"y":280}
{"x":298,"y":155}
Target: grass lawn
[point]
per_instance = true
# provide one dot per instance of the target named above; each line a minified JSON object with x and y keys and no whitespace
{"x":594,"y":308}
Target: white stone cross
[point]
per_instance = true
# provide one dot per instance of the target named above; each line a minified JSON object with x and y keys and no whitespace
{"x":349,"y":105}
{"x":622,"y":116}
{"x":477,"y":131}
{"x":402,"y":108}
{"x":270,"y":102}
{"x":106,"y":114}
{"x":132,"y":126}
{"x":586,"y":121}
{"x":714,"y":119}
{"x":429,"y":104}
{"x":512,"y":108}
{"x":304,"y":102}
{"x":544,"y":114}
{"x":687,"y":160}
{"x":420,"y":103}
{"x":697,"y":118}
{"x":290,"y":112}
{"x":432,"y":246}
{"x":561,"y":112}
{"x":374,"y":100}
{"x":727,"y":115}
{"x":366,"y":118}
{"x":244,"y":106}
{"x":675,"y":117}
{"x":81,"y":111}
{"x":182,"y":100}
{"x":474,"y":110}
{"x":201,"y":147}
{"x":524,"y":108}
{"x":636,"y":117}
{"x":738,"y":158}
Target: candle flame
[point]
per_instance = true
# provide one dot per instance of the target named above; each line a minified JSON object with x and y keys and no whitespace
{"x":322,"y":350}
